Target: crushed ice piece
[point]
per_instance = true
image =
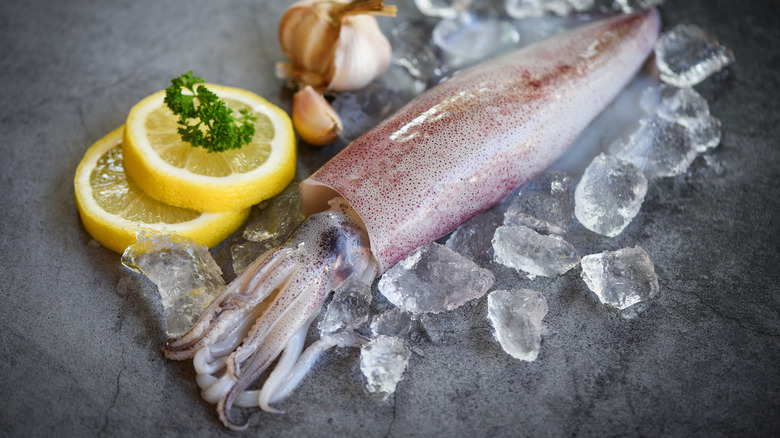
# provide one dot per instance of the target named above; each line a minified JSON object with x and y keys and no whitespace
{"x":524,"y":8}
{"x":363,"y":109}
{"x":278,"y":218}
{"x":687,"y":108}
{"x":348,"y":309}
{"x":650,"y":99}
{"x":684,"y":106}
{"x":536,"y":8}
{"x":522,"y":248}
{"x":686,"y":55}
{"x":474,"y":238}
{"x":442,"y":8}
{"x":706,"y":134}
{"x":517,"y":319}
{"x":434,"y":278}
{"x":660,"y":148}
{"x":394,"y":322}
{"x":186,"y":275}
{"x":412,"y":50}
{"x":609,"y":195}
{"x":383,"y":362}
{"x":629,"y":6}
{"x":545,"y":204}
{"x":433,"y":328}
{"x":470,"y":37}
{"x":620,"y":278}
{"x":244,"y":253}
{"x":707,"y":166}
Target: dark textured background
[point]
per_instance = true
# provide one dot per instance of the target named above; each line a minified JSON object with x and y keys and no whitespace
{"x":80,"y":345}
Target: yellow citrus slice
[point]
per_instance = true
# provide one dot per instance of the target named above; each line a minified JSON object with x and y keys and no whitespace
{"x":113,"y":208}
{"x":177,"y":173}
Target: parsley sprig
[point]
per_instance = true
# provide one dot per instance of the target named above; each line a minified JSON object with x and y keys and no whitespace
{"x":204,"y":119}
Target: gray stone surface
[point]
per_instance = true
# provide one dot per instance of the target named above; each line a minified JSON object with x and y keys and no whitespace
{"x":80,"y":339}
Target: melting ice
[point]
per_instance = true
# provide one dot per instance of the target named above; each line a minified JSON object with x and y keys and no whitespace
{"x":383,"y":362}
{"x":524,"y":249}
{"x":186,"y":275}
{"x":394,"y":322}
{"x":687,"y":108}
{"x":433,"y":278}
{"x":517,"y":319}
{"x":474,"y":238}
{"x":544,"y":204}
{"x":620,"y":278}
{"x":442,"y":8}
{"x":609,"y":195}
{"x":348,"y":309}
{"x":278,"y":218}
{"x":686,"y":55}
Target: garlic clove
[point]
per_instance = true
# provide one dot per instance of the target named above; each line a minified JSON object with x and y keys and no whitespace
{"x":315,"y":121}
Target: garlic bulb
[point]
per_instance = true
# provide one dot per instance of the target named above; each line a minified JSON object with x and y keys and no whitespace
{"x":315,"y":121}
{"x":334,"y":45}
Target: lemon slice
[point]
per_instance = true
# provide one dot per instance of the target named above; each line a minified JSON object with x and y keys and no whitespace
{"x":113,"y":208}
{"x":179,"y":174}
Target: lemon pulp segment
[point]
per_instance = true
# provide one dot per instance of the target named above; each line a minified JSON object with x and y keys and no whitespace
{"x":176,"y":173}
{"x":113,"y":208}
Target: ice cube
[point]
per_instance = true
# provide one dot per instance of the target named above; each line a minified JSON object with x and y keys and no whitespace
{"x":684,"y":106}
{"x":517,"y":319}
{"x":620,"y":278}
{"x":544,"y":204}
{"x":687,"y":108}
{"x":412,"y":50}
{"x":609,"y":195}
{"x":394,"y":322}
{"x":660,"y":148}
{"x":186,"y":275}
{"x":474,"y":238}
{"x":471,"y":36}
{"x":383,"y":362}
{"x":706,"y":134}
{"x":650,"y":99}
{"x":442,"y":8}
{"x":536,"y":8}
{"x":348,"y":309}
{"x":524,"y":249}
{"x":434,"y":278}
{"x":629,"y":6}
{"x":686,"y":55}
{"x":278,"y":218}
{"x":434,"y":328}
{"x":363,"y":109}
{"x":244,"y":253}
{"x":524,"y":8}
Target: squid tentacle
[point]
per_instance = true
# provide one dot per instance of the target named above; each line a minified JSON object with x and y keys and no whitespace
{"x":240,"y":334}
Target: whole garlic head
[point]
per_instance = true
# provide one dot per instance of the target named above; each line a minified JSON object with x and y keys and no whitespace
{"x":334,"y":45}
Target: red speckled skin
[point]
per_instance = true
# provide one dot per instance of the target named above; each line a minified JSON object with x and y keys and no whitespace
{"x":462,"y":146}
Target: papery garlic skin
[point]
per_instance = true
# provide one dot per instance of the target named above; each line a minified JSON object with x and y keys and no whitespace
{"x":315,"y":121}
{"x":334,"y":45}
{"x":363,"y":54}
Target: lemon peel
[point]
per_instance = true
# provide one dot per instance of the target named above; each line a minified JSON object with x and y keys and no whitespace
{"x":173,"y":172}
{"x":113,"y":208}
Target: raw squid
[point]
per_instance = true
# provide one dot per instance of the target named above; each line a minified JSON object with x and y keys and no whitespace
{"x":449,"y":154}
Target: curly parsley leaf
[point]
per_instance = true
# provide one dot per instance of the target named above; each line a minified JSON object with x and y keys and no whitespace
{"x":205,"y":120}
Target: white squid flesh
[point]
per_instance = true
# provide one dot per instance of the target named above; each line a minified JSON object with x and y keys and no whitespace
{"x":448,"y":155}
